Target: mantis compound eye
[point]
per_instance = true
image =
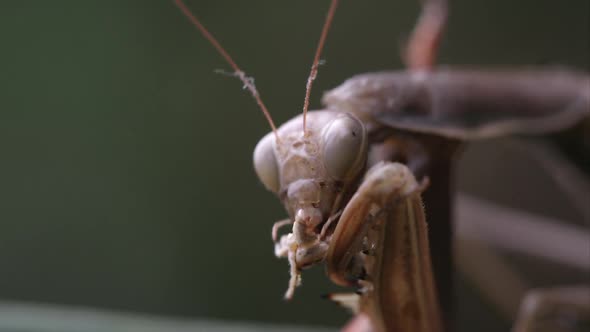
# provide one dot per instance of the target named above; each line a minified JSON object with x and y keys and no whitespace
{"x":265,"y":163}
{"x":344,"y":146}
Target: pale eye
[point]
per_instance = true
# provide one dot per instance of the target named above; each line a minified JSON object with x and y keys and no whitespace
{"x":265,"y":163}
{"x":345,"y":146}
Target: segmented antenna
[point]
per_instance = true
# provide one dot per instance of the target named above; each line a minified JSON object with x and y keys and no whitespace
{"x":423,"y":44}
{"x":248,"y":82}
{"x":316,"y":59}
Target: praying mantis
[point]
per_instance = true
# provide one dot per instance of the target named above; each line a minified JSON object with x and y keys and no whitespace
{"x":352,"y":177}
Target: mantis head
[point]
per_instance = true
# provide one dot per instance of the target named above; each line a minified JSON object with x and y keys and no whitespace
{"x":313,"y":173}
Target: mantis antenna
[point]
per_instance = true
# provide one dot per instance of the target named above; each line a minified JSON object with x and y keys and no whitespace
{"x":316,"y":59}
{"x":248,"y":83}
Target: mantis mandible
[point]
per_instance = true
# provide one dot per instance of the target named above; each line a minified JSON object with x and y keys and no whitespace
{"x":363,"y":216}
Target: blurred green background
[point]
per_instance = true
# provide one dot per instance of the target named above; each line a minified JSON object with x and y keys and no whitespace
{"x":125,"y":173}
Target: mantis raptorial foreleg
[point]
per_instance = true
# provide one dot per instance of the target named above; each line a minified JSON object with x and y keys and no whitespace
{"x":383,"y":229}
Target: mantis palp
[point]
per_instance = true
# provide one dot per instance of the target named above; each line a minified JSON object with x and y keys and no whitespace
{"x":316,"y":164}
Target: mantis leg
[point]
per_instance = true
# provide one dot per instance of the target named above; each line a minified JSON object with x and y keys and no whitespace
{"x":278,"y":225}
{"x":386,"y":215}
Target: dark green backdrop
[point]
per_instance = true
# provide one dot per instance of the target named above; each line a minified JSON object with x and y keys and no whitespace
{"x":125,"y":171}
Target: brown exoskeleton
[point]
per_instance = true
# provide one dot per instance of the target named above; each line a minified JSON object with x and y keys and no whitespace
{"x":364,"y":217}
